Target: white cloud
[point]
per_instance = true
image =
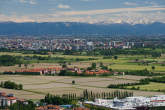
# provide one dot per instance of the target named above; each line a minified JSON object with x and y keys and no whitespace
{"x":127,"y":15}
{"x":32,"y":2}
{"x":105,"y":11}
{"x":15,"y":18}
{"x":63,"y":6}
{"x":130,"y":4}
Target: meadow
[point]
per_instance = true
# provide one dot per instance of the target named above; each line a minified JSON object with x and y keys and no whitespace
{"x":151,"y":87}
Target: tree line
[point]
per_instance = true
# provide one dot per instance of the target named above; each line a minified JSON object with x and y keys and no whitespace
{"x":11,"y":85}
{"x":86,"y":95}
{"x":57,"y":100}
{"x":144,"y":72}
{"x":118,"y":51}
{"x":8,"y":60}
{"x":23,"y":106}
{"x":124,"y":86}
{"x":90,"y":95}
{"x":158,"y":79}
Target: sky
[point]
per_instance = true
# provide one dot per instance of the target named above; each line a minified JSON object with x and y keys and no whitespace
{"x":88,"y":11}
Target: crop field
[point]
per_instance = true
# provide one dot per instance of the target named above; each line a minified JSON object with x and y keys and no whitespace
{"x":36,"y":87}
{"x":123,"y":63}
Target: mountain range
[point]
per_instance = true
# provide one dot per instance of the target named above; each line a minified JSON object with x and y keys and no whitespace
{"x":75,"y":28}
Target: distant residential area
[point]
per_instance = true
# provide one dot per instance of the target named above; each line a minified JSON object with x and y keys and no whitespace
{"x":75,"y":44}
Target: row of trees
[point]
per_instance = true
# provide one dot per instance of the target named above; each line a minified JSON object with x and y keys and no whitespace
{"x":90,"y":95}
{"x":8,"y":60}
{"x":23,"y":106}
{"x":158,"y":79}
{"x":94,"y":65}
{"x":57,"y":100}
{"x":144,"y":72}
{"x":11,"y":85}
{"x":117,"y":51}
{"x":21,"y":73}
{"x":86,"y":95}
{"x":124,"y":86}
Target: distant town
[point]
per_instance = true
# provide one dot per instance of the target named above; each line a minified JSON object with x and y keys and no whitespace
{"x":73,"y":43}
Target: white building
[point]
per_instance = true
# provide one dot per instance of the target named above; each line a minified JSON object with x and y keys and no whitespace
{"x":7,"y":100}
{"x":130,"y":103}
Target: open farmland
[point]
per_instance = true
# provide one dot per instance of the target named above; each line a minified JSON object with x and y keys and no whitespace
{"x":36,"y":87}
{"x":123,"y":63}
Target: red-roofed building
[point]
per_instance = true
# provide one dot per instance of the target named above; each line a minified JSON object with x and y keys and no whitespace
{"x":79,"y":108}
{"x":97,"y":72}
{"x":49,"y":107}
{"x":7,"y":100}
{"x":41,"y":71}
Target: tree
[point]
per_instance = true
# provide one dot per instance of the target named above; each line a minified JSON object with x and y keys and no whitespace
{"x":115,"y":57}
{"x":11,"y":85}
{"x":110,"y":69}
{"x":19,"y":65}
{"x":156,"y":54}
{"x":104,"y":67}
{"x":22,"y":106}
{"x":93,"y":66}
{"x":64,"y":66}
{"x":73,"y":82}
{"x":101,"y":64}
{"x":153,"y":67}
{"x":8,"y":60}
{"x":26,"y":65}
{"x":20,"y":86}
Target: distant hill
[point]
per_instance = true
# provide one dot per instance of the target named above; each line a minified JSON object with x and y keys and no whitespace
{"x":74,"y":28}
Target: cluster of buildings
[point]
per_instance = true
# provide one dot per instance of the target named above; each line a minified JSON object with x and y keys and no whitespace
{"x":130,"y":103}
{"x":55,"y":107}
{"x":41,"y":71}
{"x":100,"y":71}
{"x":7,"y":100}
{"x":49,"y":107}
{"x":56,"y":70}
{"x":64,"y":44}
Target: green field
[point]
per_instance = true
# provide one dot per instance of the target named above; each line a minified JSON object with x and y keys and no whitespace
{"x":150,"y":87}
{"x":123,"y":63}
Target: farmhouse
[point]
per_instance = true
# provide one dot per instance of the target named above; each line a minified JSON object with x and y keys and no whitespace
{"x":49,"y":107}
{"x":75,"y":69}
{"x":97,"y":71}
{"x":7,"y":100}
{"x":79,"y":108}
{"x":40,"y":71}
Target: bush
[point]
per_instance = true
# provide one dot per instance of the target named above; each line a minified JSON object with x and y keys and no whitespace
{"x":11,"y":85}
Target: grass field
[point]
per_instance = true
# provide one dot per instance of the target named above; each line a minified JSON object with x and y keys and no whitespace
{"x":123,"y":63}
{"x":36,"y":87}
{"x":151,"y":87}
